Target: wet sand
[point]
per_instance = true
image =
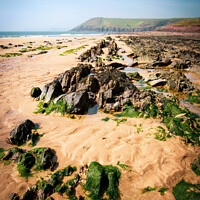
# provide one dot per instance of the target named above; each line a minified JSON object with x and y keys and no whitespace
{"x":85,"y":139}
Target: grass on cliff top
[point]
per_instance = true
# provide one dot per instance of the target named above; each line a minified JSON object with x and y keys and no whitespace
{"x":100,"y":22}
{"x":188,"y":22}
{"x":72,"y":50}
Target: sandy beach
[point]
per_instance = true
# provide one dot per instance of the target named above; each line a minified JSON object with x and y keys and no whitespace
{"x":87,"y":138}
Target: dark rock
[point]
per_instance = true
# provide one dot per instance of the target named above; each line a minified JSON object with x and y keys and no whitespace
{"x":134,"y":64}
{"x":180,"y":64}
{"x":116,"y":65}
{"x":159,"y":82}
{"x":13,"y":196}
{"x":92,"y":84}
{"x":35,"y":92}
{"x":54,"y":91}
{"x":135,"y":76}
{"x":22,"y":133}
{"x":44,"y":91}
{"x":112,"y":48}
{"x":77,"y":101}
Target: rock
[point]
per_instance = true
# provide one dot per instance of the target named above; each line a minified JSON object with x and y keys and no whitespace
{"x":22,"y":133}
{"x":152,"y":76}
{"x":13,"y":196}
{"x":112,"y":48}
{"x":133,"y":64}
{"x":180,"y":64}
{"x":35,"y":92}
{"x":135,"y":76}
{"x":159,"y":82}
{"x":77,"y":101}
{"x":92,"y":84}
{"x":44,"y":91}
{"x":116,"y":65}
{"x":54,"y":91}
{"x":167,"y":61}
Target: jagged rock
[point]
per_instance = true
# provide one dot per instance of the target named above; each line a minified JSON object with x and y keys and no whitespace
{"x":135,"y":76}
{"x":180,"y":64}
{"x":116,"y":65}
{"x":35,"y":92}
{"x":44,"y":91}
{"x":152,"y":76}
{"x":112,"y":48}
{"x":54,"y":90}
{"x":159,"y":82}
{"x":13,"y":196}
{"x":22,"y":133}
{"x":92,"y":84}
{"x":77,"y":102}
{"x":133,"y":64}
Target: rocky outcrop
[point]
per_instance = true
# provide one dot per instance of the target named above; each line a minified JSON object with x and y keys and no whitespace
{"x":92,"y":54}
{"x":173,"y":81}
{"x":22,"y":133}
{"x":112,"y":48}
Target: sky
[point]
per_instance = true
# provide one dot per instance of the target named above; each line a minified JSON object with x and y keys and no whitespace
{"x":63,"y":15}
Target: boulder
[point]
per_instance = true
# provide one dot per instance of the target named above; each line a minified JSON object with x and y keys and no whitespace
{"x":44,"y":91}
{"x":159,"y":82}
{"x":152,"y":76}
{"x":35,"y":92}
{"x":54,"y":90}
{"x":22,"y":133}
{"x":77,"y":102}
{"x":112,"y":48}
{"x":180,"y":64}
{"x":116,"y":65}
{"x":13,"y":196}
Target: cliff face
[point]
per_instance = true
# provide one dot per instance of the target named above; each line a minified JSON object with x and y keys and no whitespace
{"x":122,"y":25}
{"x":180,"y":28}
{"x":186,"y":25}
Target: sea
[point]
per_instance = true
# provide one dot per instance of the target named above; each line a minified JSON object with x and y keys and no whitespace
{"x":23,"y":34}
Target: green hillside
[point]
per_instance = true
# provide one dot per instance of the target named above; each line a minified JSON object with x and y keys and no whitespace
{"x":188,"y":22}
{"x":101,"y":24}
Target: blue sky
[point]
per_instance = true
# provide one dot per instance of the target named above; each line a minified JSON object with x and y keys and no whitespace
{"x":22,"y":15}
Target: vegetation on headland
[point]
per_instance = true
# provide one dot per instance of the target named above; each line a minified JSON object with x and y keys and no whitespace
{"x":101,"y":24}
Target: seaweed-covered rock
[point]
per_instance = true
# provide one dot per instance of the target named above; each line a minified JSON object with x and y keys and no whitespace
{"x":196,"y":166}
{"x":22,"y":133}
{"x":94,"y":179}
{"x":44,"y":158}
{"x":35,"y":92}
{"x":102,"y":179}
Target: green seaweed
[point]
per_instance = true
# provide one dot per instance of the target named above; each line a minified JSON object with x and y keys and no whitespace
{"x":7,"y":162}
{"x":186,"y":191}
{"x":59,"y":107}
{"x":105,"y":119}
{"x":162,"y":191}
{"x":10,"y":54}
{"x":72,"y":50}
{"x":42,"y":52}
{"x":148,"y":189}
{"x":161,"y":134}
{"x":102,"y":179}
{"x":195,"y":166}
{"x":194,"y":98}
{"x":123,"y":166}
{"x":120,"y":121}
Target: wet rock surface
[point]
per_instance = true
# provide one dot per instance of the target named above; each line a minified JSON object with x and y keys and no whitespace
{"x":22,"y":133}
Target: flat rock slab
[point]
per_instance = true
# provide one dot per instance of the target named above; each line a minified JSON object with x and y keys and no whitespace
{"x":159,"y":82}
